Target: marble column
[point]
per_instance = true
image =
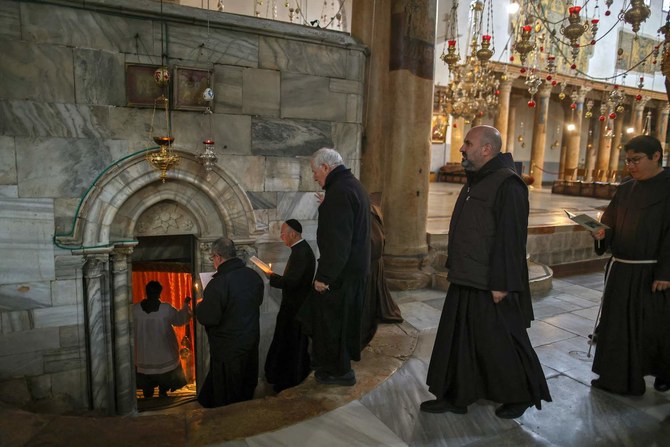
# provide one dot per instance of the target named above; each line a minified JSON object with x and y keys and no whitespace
{"x":638,"y":114}
{"x":616,"y":143}
{"x":564,"y":146}
{"x":574,"y":137}
{"x":124,"y":365}
{"x":661,"y":133}
{"x":604,"y":151}
{"x":510,"y":137}
{"x":405,"y":198}
{"x":502,"y":117}
{"x":590,"y":156}
{"x":371,"y":25}
{"x":457,"y":136}
{"x":539,"y":135}
{"x":99,"y":331}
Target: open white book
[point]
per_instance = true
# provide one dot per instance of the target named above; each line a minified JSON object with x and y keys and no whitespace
{"x":205,"y":278}
{"x":261,"y":265}
{"x":585,"y":221}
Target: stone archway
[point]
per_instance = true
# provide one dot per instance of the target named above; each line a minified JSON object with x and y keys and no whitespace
{"x":108,"y":216}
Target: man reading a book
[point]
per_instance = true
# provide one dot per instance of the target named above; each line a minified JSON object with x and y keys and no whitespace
{"x":288,"y":363}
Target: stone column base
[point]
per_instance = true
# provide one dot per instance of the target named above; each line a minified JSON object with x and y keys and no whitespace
{"x":404,"y":273}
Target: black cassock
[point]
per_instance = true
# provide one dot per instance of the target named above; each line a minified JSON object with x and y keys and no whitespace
{"x":634,"y":330}
{"x":482,"y":350}
{"x":288,"y":363}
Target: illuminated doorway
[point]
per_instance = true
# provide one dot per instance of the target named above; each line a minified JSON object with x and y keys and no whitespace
{"x":168,"y":260}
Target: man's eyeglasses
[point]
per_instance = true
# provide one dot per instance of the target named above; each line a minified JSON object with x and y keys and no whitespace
{"x":633,"y":161}
{"x":211,"y":257}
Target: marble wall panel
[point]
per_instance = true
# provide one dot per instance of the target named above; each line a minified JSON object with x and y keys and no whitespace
{"x":347,"y":139}
{"x":228,"y":88}
{"x":40,"y":386}
{"x":15,"y":321}
{"x":39,"y":72}
{"x":28,"y":251}
{"x":354,"y":108}
{"x":64,"y":359}
{"x":99,"y":77}
{"x":64,"y":211}
{"x":36,"y":340}
{"x":346,"y":86}
{"x":61,"y":167}
{"x":297,"y":205}
{"x":10,"y":20}
{"x":134,"y":124}
{"x":356,"y":65}
{"x":28,"y":118}
{"x":17,"y":365}
{"x":302,"y":57}
{"x":261,"y":92}
{"x":247,"y":171}
{"x":191,"y":129}
{"x":7,"y":160}
{"x":25,"y":296}
{"x":279,"y":137}
{"x":9,"y":191}
{"x":80,"y":28}
{"x":65,"y":292}
{"x":263,"y":200}
{"x":71,"y":383}
{"x":58,"y":316}
{"x":282,"y":174}
{"x":309,"y":97}
{"x":307,"y":182}
{"x":71,"y":336}
{"x":198,"y":43}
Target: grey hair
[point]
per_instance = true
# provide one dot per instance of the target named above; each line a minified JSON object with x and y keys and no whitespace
{"x":224,"y":247}
{"x":327,"y":156}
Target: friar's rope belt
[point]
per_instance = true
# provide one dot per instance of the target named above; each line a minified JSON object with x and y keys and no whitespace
{"x":634,"y":261}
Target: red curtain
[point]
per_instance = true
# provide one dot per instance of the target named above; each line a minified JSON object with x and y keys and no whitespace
{"x":176,"y":287}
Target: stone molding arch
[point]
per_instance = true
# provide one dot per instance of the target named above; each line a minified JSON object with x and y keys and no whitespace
{"x":109,"y":212}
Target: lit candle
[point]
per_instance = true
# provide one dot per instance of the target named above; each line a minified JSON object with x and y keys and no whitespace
{"x":270,"y":264}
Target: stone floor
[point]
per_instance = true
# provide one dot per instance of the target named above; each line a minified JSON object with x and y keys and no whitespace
{"x":383,"y":408}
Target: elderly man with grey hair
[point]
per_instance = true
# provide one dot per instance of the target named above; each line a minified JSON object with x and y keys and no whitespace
{"x":332,"y":313}
{"x":230,"y":311}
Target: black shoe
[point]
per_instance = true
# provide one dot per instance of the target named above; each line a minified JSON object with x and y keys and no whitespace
{"x":594,"y":338}
{"x":441,"y":406}
{"x":661,"y":385}
{"x":512,"y":411}
{"x":348,"y":379}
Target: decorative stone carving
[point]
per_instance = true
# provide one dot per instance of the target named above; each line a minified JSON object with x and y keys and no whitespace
{"x":165,"y":218}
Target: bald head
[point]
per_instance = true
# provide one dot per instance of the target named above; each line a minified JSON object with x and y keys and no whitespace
{"x":480,"y":145}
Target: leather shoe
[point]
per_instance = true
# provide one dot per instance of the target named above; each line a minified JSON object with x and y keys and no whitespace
{"x":441,"y":406}
{"x":512,"y":411}
{"x":661,"y":385}
{"x":348,"y":379}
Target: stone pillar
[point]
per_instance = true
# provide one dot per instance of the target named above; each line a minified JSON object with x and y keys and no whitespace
{"x":662,"y":125}
{"x":510,"y":138}
{"x":405,"y":198}
{"x":124,"y":365}
{"x":539,"y":135}
{"x":638,"y":115}
{"x":604,"y":150}
{"x":616,"y":143}
{"x":502,"y":117}
{"x":99,"y":331}
{"x":564,"y":147}
{"x":371,"y":25}
{"x":574,"y":137}
{"x":590,"y":156}
{"x":457,"y":136}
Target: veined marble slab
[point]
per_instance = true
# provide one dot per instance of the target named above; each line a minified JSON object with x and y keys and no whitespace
{"x":351,"y":425}
{"x":26,"y":240}
{"x":7,"y":160}
{"x":301,"y":206}
{"x":302,"y":57}
{"x":99,"y":77}
{"x":260,"y":92}
{"x":282,"y":137}
{"x":299,"y":100}
{"x":10,"y":24}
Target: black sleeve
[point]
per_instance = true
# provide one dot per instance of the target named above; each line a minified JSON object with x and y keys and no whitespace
{"x":334,"y":236}
{"x":209,"y":311}
{"x":508,"y":267}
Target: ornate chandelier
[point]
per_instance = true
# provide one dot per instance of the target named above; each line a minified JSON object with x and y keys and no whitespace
{"x":472,"y":91}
